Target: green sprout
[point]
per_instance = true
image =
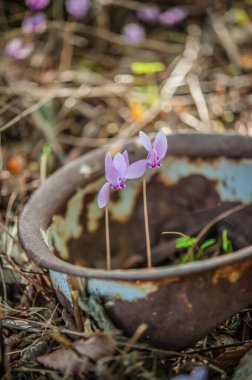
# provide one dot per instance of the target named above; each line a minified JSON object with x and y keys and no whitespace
{"x":193,"y":250}
{"x":226,"y":243}
{"x":208,"y":243}
{"x":185,"y":242}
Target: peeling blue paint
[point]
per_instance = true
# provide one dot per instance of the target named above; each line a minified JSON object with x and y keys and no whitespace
{"x":120,"y":290}
{"x":231,"y":176}
{"x":59,"y":281}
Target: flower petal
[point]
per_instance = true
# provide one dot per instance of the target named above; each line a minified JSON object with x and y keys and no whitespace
{"x":103,"y":195}
{"x":126,"y":157}
{"x":120,"y":164}
{"x":145,"y":140}
{"x":160,"y":145}
{"x":110,"y":171}
{"x":152,"y":158}
{"x":199,"y":373}
{"x":136,"y":170}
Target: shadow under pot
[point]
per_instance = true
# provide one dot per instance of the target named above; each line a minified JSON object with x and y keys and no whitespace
{"x":203,"y":176}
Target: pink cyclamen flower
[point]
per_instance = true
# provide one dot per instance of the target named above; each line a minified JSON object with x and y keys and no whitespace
{"x":117,"y":171}
{"x":133,"y":33}
{"x":78,"y":8}
{"x":173,"y":16}
{"x":37,"y":5}
{"x":35,"y":23}
{"x":149,"y":13}
{"x":16,"y":49}
{"x":158,"y":151}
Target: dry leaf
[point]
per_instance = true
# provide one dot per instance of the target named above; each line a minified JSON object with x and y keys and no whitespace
{"x":231,"y":356}
{"x":67,"y":360}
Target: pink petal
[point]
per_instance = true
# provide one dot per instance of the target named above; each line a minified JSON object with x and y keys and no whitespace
{"x":126,"y":157}
{"x":160,"y":145}
{"x":152,"y":158}
{"x":145,"y":140}
{"x":110,"y":171}
{"x":103,"y":195}
{"x":120,"y":164}
{"x":136,"y":170}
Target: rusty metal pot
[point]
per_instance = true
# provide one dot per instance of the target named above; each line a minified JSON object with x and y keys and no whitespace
{"x":62,"y":229}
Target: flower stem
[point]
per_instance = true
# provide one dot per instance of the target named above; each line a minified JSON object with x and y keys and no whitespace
{"x":146,"y":223}
{"x":107,"y":238}
{"x":43,"y":167}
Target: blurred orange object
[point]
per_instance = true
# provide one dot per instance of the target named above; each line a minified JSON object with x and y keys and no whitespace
{"x":137,"y":110}
{"x":16,"y":163}
{"x":246,"y":61}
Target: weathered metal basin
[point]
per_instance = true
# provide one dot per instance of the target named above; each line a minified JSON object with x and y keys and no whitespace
{"x":62,"y":229}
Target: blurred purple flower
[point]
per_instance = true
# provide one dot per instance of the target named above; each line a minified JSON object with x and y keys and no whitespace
{"x":149,"y":13}
{"x":78,"y":8}
{"x":37,"y":5}
{"x":16,"y":49}
{"x":117,"y":171}
{"x":158,"y":152}
{"x":133,"y":33}
{"x":173,"y":16}
{"x":199,"y":373}
{"x":34,"y":24}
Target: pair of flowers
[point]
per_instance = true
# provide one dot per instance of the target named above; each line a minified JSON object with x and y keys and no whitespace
{"x":134,"y":32}
{"x":118,"y":170}
{"x":76,"y":8}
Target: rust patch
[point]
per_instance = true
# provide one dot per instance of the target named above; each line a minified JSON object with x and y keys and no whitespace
{"x":231,"y":273}
{"x":167,"y":280}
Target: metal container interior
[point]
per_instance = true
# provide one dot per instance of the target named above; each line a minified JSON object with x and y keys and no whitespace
{"x":62,"y":229}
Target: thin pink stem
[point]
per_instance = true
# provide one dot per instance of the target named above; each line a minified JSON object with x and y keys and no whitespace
{"x":108,"y":255}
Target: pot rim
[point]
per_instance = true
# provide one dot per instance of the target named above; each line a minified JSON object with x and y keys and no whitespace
{"x":36,"y":218}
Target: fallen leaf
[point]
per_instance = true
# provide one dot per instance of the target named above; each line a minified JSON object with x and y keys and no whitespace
{"x":82,"y":356}
{"x":232,"y":356}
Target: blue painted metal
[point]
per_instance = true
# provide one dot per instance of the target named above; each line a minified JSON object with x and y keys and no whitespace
{"x":231,"y":176}
{"x":120,"y":290}
{"x":60,"y":283}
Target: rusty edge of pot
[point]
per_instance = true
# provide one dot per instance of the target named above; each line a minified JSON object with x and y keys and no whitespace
{"x":47,"y":200}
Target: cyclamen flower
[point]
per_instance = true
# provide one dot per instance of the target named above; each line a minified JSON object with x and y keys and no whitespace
{"x":173,"y":16}
{"x":37,"y":5}
{"x":158,"y":151}
{"x":117,"y":171}
{"x":34,"y":24}
{"x":77,"y":8}
{"x":133,"y":33}
{"x":16,"y":49}
{"x":149,"y":13}
{"x":199,"y":373}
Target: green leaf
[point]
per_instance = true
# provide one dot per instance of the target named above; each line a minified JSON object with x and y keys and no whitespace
{"x":185,"y":242}
{"x":226,"y":243}
{"x":139,"y":68}
{"x":207,"y":243}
